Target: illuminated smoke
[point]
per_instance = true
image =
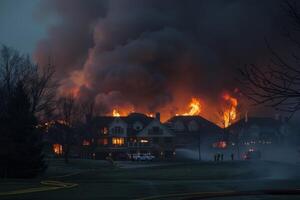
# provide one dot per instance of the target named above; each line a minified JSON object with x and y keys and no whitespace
{"x":151,"y":56}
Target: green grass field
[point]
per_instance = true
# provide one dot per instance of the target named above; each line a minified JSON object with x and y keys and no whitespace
{"x":100,"y":180}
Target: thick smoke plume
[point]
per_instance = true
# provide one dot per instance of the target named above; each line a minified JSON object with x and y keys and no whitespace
{"x":151,"y":55}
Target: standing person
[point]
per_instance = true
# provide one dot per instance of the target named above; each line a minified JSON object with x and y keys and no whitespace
{"x":222,"y":157}
{"x":232,"y":156}
{"x":218,"y":157}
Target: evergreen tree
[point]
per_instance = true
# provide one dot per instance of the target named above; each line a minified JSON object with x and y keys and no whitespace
{"x":22,"y":145}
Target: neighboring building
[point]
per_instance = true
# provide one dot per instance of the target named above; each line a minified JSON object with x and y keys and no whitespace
{"x":257,"y":130}
{"x":135,"y":133}
{"x":191,"y":131}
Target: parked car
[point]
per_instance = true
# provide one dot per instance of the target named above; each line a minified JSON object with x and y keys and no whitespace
{"x":143,"y":157}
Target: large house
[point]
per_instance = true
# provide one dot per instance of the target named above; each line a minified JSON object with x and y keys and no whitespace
{"x":135,"y":133}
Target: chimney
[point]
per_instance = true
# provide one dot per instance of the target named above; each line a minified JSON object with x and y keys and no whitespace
{"x":157,"y":116}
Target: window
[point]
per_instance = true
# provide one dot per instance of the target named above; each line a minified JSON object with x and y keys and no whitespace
{"x":144,"y":141}
{"x":193,"y":126}
{"x":220,"y":144}
{"x":86,"y":143}
{"x":117,"y":130}
{"x":103,"y":141}
{"x":118,"y":141}
{"x":138,"y":126}
{"x":155,"y":130}
{"x":104,"y":130}
{"x":178,"y":126}
{"x":57,"y":149}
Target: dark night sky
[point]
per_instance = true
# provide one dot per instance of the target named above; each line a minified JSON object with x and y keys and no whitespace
{"x":149,"y":54}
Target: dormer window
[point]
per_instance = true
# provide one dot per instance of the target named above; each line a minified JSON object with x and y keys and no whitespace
{"x":193,"y":126}
{"x":178,"y":126}
{"x":155,"y":130}
{"x":137,"y":126}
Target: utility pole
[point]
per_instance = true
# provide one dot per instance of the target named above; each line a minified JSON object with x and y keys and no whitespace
{"x":199,"y":146}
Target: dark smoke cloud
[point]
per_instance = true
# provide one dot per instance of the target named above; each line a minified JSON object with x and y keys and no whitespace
{"x":150,"y":53}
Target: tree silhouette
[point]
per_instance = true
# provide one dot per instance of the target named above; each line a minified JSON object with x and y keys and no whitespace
{"x":277,"y":85}
{"x":21,"y":143}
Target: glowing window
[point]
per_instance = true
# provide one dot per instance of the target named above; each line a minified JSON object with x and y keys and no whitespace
{"x":118,"y":141}
{"x":57,"y":149}
{"x":144,"y":141}
{"x":105,"y":130}
{"x":220,"y":144}
{"x":86,"y":143}
{"x":103,"y":141}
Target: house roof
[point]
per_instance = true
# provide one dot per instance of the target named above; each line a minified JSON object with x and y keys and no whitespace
{"x":102,"y":121}
{"x":136,"y":117}
{"x":258,"y":121}
{"x":131,"y":119}
{"x":204,"y":124}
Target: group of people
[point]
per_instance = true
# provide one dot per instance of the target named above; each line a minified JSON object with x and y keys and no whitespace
{"x":220,"y":157}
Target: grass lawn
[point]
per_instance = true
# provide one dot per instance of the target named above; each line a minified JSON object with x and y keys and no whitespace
{"x":98,"y":180}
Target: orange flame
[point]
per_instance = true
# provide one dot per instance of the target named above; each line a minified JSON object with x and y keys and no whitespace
{"x":195,"y":108}
{"x":150,"y":115}
{"x":115,"y":113}
{"x":230,"y":113}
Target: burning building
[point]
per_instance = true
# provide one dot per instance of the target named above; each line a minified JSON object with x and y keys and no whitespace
{"x":120,"y":136}
{"x":190,"y":130}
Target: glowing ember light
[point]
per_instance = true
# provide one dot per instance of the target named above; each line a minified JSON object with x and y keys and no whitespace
{"x":57,"y":149}
{"x":115,"y":113}
{"x":230,"y":113}
{"x":150,"y":115}
{"x":195,"y":108}
{"x":220,"y":144}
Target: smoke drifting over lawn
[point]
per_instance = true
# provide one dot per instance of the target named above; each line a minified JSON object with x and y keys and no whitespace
{"x":154,"y":55}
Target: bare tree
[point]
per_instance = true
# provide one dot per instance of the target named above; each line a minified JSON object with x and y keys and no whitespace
{"x":87,"y":110}
{"x":38,"y":82}
{"x":68,"y":117}
{"x":42,"y":90}
{"x":277,"y":85}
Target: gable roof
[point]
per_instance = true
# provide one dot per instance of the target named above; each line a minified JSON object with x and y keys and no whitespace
{"x":166,"y":131}
{"x":204,"y":124}
{"x":130,"y":120}
{"x":102,"y":121}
